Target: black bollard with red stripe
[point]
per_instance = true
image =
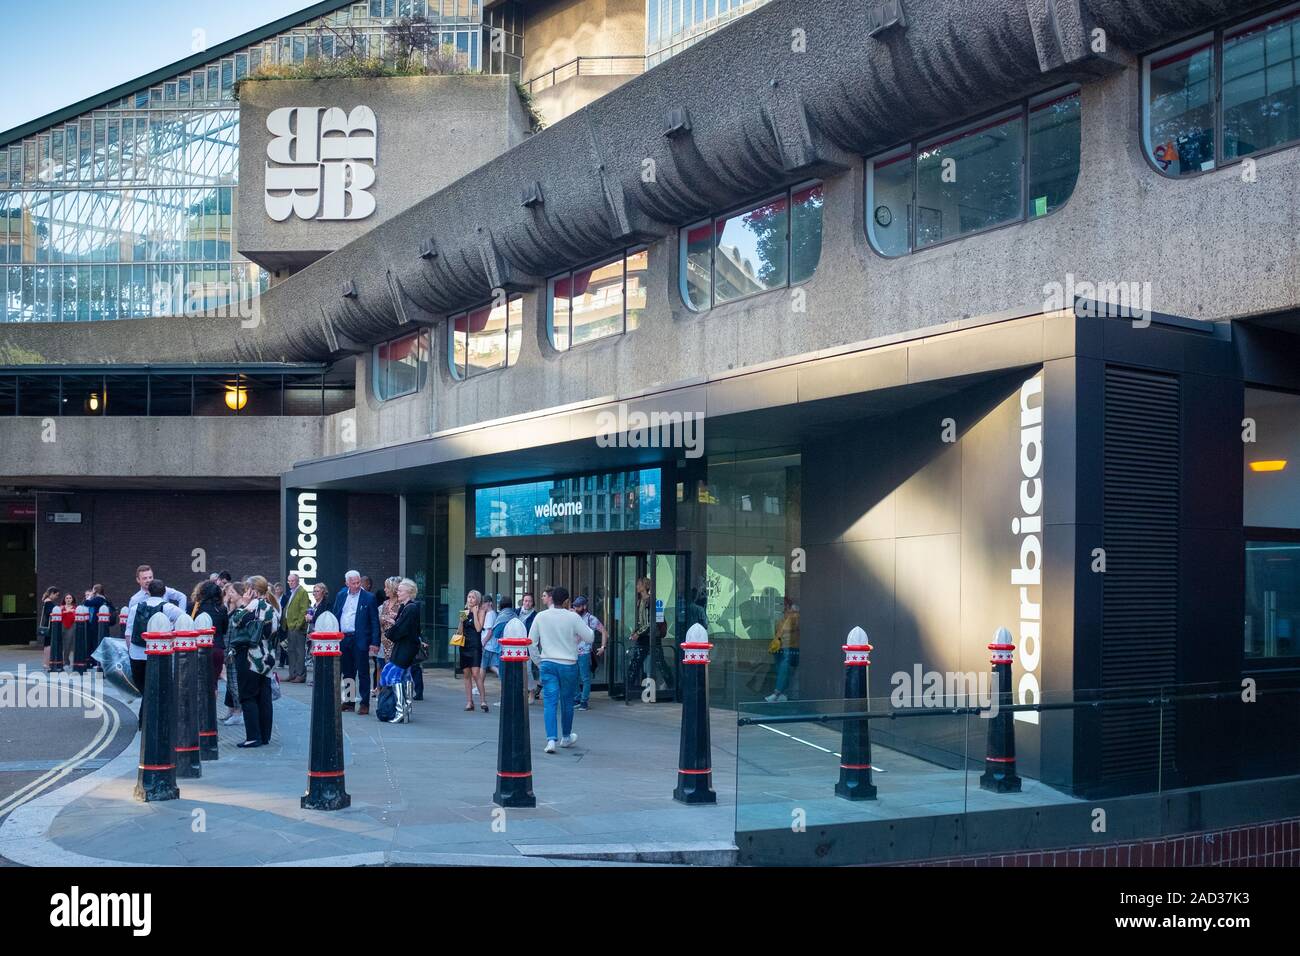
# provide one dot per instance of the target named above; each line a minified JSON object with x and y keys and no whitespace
{"x":185,"y":647}
{"x":1000,"y":762}
{"x":855,"y":737}
{"x":80,"y":638}
{"x":514,"y":741}
{"x":207,"y":696}
{"x":56,"y":638}
{"x":103,"y":621}
{"x":156,"y":778}
{"x":326,"y":788}
{"x":695,"y":757}
{"x":121,"y":621}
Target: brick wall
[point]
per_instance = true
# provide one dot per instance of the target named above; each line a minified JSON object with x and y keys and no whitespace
{"x":239,"y":532}
{"x":1266,"y":844}
{"x":374,"y":547}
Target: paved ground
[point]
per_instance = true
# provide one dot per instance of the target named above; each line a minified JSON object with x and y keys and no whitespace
{"x":421,"y":792}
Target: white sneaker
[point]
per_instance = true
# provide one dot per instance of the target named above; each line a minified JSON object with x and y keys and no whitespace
{"x":234,"y":720}
{"x":550,"y":746}
{"x":569,"y":741}
{"x":775,"y":698}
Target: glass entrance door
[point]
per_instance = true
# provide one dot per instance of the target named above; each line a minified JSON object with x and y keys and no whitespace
{"x":646,"y":625}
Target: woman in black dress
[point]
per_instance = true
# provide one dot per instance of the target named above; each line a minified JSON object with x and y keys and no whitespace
{"x":471,"y":654}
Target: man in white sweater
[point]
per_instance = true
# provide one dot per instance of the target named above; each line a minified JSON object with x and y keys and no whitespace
{"x":556,"y":633}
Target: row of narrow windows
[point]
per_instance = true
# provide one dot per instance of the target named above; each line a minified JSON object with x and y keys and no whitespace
{"x":1209,"y":100}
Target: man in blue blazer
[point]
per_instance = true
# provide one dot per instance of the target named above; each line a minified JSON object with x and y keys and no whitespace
{"x":358,"y":616}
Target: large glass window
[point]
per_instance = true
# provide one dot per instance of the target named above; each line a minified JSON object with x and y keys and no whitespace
{"x":597,"y":301}
{"x":1271,"y":506}
{"x":1015,"y":165}
{"x":401,"y":366}
{"x":486,"y":338}
{"x":1222,"y":96}
{"x":758,"y":249}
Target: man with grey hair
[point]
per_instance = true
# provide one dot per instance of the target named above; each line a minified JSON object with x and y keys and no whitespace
{"x":295,"y":605}
{"x":358,"y":617}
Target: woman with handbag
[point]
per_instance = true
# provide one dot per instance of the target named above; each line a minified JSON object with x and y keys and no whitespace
{"x":387,"y":615}
{"x":405,"y":647}
{"x":469,"y":638}
{"x":252,"y":630}
{"x":233,"y":597}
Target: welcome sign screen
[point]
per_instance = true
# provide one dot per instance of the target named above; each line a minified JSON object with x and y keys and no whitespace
{"x":614,"y":501}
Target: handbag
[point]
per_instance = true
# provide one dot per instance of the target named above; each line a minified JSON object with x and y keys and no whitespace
{"x":275,"y":686}
{"x":422,"y":654}
{"x":775,"y":646}
{"x":458,"y":640}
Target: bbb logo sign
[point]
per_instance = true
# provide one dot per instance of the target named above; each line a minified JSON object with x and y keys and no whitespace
{"x":320,"y":163}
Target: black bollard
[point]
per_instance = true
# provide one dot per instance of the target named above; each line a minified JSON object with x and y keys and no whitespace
{"x":855,"y":738}
{"x":156,"y":779}
{"x":1000,"y":762}
{"x":80,"y":638}
{"x":121,"y":622}
{"x":514,"y":742}
{"x":56,"y":638}
{"x":103,"y":621}
{"x":207,"y":696}
{"x":326,"y":789}
{"x":186,"y":744}
{"x":695,"y":759}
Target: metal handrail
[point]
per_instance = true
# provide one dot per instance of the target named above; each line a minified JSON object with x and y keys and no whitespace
{"x":1144,"y":701}
{"x":576,"y":64}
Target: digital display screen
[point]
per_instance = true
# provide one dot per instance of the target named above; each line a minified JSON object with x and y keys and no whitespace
{"x":614,"y":501}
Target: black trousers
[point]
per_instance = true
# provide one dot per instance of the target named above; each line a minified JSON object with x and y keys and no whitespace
{"x":254,"y":699}
{"x":138,"y":671}
{"x":417,"y":680}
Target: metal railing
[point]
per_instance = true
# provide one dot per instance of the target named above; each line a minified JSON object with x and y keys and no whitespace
{"x":628,"y":65}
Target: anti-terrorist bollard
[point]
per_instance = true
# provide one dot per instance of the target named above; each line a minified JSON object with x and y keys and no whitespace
{"x":103,"y":620}
{"x":695,"y":756}
{"x":186,"y":649}
{"x":514,"y":744}
{"x":122,"y":615}
{"x":326,"y":789}
{"x":207,"y":695}
{"x":156,"y":779}
{"x":1000,"y":762}
{"x":56,"y":638}
{"x":80,"y":638}
{"x":855,"y":740}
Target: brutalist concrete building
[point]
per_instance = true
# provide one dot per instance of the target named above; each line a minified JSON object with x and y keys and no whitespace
{"x":925,"y":316}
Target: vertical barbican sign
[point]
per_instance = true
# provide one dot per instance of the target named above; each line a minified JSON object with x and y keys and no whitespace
{"x":1027,"y":576}
{"x":320,"y":163}
{"x":316,"y":536}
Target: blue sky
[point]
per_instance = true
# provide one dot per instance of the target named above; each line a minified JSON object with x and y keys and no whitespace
{"x":61,"y":51}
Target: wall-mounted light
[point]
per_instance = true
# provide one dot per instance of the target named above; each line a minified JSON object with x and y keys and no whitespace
{"x":1276,"y":464}
{"x":93,"y":402}
{"x":236,"y":398}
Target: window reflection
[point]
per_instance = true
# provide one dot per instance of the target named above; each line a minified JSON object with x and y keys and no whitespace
{"x":597,"y":301}
{"x":974,"y":178}
{"x":401,"y":366}
{"x":486,"y":338}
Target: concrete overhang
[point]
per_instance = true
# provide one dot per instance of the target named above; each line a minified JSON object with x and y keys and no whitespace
{"x":765,"y":406}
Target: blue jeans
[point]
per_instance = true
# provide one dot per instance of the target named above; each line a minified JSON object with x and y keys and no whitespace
{"x":584,"y":677}
{"x":559,"y":683}
{"x":786,"y":661}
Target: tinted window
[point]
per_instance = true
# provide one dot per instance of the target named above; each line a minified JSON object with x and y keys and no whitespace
{"x":1261,"y":88}
{"x":1180,"y":110}
{"x":486,"y":338}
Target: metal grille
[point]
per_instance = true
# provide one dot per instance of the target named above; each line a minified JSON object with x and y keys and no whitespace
{"x":1141,"y":455}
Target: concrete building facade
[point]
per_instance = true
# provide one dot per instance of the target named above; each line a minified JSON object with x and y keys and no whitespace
{"x":827,"y":320}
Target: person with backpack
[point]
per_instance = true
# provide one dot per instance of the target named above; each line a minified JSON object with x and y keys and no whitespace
{"x":252,"y":633}
{"x":404,"y":635}
{"x":153,"y":598}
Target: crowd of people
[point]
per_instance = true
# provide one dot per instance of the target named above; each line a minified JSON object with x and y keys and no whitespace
{"x":264,"y":628}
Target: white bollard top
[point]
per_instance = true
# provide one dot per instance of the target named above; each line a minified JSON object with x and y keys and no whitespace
{"x":204,"y":620}
{"x":697,"y":634}
{"x":327,"y":623}
{"x":858,"y":637}
{"x":184,"y":622}
{"x":159,"y":624}
{"x":1002,"y":636}
{"x":515,"y":628}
